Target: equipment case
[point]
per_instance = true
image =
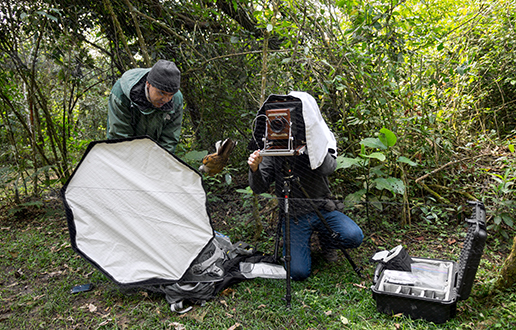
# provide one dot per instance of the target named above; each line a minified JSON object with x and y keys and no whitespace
{"x":426,"y":300}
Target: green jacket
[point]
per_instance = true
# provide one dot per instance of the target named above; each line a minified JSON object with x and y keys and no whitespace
{"x":130,"y":114}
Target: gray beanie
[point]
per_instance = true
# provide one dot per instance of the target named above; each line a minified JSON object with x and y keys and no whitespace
{"x":165,"y":75}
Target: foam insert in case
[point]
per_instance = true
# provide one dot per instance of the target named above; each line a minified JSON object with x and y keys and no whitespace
{"x":433,"y":287}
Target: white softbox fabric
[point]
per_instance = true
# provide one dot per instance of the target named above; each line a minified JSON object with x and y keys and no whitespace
{"x":137,"y":212}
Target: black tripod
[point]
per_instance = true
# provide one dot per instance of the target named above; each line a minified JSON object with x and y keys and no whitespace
{"x":288,"y":178}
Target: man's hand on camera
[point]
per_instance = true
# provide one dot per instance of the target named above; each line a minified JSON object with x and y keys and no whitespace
{"x":254,"y":160}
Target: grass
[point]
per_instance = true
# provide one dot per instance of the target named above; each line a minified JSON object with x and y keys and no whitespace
{"x":38,"y":268}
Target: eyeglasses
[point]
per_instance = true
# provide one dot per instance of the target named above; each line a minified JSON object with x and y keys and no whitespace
{"x":163,"y":93}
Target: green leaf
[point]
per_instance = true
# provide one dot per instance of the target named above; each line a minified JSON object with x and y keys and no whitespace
{"x":355,"y":197}
{"x":346,"y":162}
{"x":38,"y":204}
{"x":373,"y":200}
{"x":403,"y":159}
{"x":377,"y":155}
{"x":508,"y":220}
{"x":511,"y":147}
{"x":497,"y":220}
{"x":373,"y":143}
{"x":394,"y":185}
{"x":42,"y":13}
{"x":269,"y":27}
{"x":387,"y":137}
{"x":381,"y":184}
{"x":228,"y":178}
{"x":195,"y":155}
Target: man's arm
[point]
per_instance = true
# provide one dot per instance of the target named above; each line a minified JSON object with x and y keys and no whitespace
{"x":328,"y":166}
{"x":171,"y":132}
{"x":119,"y":119}
{"x":261,"y":172}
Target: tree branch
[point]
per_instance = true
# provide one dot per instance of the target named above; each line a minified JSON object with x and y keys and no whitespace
{"x":448,"y":164}
{"x":119,"y":30}
{"x":141,"y":41}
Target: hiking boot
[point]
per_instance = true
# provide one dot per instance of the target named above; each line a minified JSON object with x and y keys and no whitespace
{"x":330,"y":255}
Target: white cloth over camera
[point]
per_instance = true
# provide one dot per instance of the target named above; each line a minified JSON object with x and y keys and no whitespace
{"x":319,"y":138}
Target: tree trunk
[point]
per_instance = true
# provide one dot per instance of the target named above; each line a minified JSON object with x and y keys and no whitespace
{"x":507,"y":275}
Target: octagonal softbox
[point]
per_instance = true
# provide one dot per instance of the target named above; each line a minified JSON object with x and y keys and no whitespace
{"x":136,"y":212}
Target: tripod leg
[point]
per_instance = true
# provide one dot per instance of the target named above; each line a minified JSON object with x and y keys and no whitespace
{"x":288,"y":257}
{"x":333,"y":234}
{"x":278,"y":239}
{"x":357,"y":269}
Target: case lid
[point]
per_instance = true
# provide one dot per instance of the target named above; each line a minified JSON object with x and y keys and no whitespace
{"x":472,"y":250}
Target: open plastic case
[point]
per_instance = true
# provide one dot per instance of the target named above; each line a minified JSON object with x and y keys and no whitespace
{"x":432,"y":288}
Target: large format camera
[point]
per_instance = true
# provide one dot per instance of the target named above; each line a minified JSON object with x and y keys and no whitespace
{"x":279,"y":127}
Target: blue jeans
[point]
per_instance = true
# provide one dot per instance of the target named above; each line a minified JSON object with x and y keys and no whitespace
{"x":301,"y":229}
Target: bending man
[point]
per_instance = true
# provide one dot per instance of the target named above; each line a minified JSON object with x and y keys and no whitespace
{"x":147,"y":102}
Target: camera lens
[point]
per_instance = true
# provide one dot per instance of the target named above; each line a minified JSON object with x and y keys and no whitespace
{"x":278,"y":125}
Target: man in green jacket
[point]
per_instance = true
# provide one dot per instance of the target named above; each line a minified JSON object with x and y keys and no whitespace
{"x":147,"y":102}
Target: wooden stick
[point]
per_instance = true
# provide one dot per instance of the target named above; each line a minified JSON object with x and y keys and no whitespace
{"x":448,"y":164}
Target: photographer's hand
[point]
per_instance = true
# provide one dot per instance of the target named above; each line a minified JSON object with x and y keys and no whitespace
{"x":254,"y":160}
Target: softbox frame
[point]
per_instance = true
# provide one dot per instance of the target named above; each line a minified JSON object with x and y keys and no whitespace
{"x":136,"y":212}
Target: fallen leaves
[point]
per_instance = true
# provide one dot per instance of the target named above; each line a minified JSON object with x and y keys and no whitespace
{"x":53,"y":274}
{"x":228,"y":292}
{"x":104,"y":322}
{"x":92,"y":308}
{"x":57,"y":248}
{"x":38,"y":297}
{"x":177,"y":326}
{"x":196,"y":314}
{"x":235,"y":326}
{"x":360,"y":285}
{"x":377,"y":240}
{"x":13,"y":254}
